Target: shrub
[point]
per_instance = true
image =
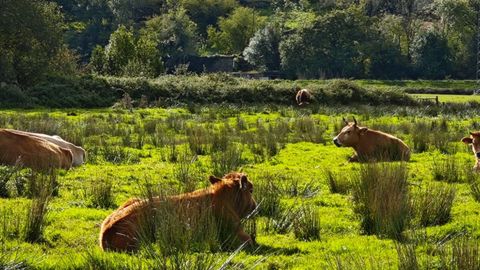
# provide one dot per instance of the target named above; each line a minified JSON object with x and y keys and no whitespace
{"x":380,"y":196}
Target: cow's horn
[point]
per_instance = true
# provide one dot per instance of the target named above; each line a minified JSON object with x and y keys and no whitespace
{"x":345,"y":121}
{"x":354,"y":120}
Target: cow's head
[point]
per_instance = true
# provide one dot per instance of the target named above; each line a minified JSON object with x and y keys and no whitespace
{"x":239,"y":190}
{"x":474,"y":141}
{"x":350,"y":134}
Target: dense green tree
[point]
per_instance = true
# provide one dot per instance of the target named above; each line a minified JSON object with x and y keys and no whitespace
{"x":234,"y":32}
{"x":146,"y":61}
{"x":207,"y":12}
{"x":119,"y":51}
{"x":174,"y":33}
{"x":88,"y":23}
{"x":128,"y":12}
{"x":262,"y":51}
{"x":30,"y":35}
{"x":97,"y":60}
{"x":457,"y":22}
{"x":431,"y":56}
{"x":332,"y":46}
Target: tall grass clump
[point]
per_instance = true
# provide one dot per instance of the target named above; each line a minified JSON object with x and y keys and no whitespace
{"x":185,"y":171}
{"x":267,"y":196}
{"x":432,"y":205}
{"x":337,"y":183}
{"x":381,"y":199}
{"x":226,"y":161}
{"x":101,"y":193}
{"x":284,"y":221}
{"x":447,"y":169}
{"x":119,"y":155}
{"x":307,"y":225}
{"x":36,"y":216}
{"x":473,"y":179}
{"x":461,"y":254}
{"x":407,"y":257}
{"x":420,"y":136}
{"x":12,"y":181}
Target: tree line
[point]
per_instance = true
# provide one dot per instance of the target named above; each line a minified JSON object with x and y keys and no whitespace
{"x":378,"y":39}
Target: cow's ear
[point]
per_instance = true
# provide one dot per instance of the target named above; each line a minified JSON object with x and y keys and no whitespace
{"x":214,"y":179}
{"x":363,"y":130}
{"x":467,"y":140}
{"x":243,"y":182}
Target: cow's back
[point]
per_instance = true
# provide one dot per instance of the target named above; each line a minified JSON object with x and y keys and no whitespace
{"x":77,"y":152}
{"x":382,"y":146}
{"x":36,"y":153}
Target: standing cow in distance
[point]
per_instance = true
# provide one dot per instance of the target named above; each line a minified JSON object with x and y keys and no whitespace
{"x":474,"y":141}
{"x":17,"y":149}
{"x":371,"y":145}
{"x":229,"y":199}
{"x":303,"y":97}
{"x":79,"y":154}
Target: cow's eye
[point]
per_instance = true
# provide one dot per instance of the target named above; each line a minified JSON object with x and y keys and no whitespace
{"x":348,"y":132}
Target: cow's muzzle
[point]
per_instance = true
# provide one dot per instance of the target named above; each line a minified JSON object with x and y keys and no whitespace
{"x":336,"y":142}
{"x":477,"y":154}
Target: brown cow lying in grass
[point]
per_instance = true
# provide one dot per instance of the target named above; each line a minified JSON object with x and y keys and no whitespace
{"x":474,"y":141}
{"x":303,"y":97}
{"x":230,"y":200}
{"x":371,"y":145}
{"x":79,"y":154}
{"x":38,"y":154}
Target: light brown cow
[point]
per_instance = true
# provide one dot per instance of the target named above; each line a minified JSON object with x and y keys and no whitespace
{"x":371,"y":145}
{"x":79,"y":154}
{"x":38,"y":154}
{"x":230,"y":200}
{"x":303,"y":97}
{"x":474,"y":141}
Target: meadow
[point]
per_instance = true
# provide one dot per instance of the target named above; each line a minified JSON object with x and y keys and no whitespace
{"x":317,"y":211}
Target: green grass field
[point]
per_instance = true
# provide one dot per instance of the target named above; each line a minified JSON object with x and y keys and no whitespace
{"x":449,"y":98}
{"x":287,"y":154}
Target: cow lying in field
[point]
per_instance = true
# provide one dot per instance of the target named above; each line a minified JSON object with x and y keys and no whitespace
{"x":36,"y":153}
{"x":230,"y":200}
{"x":371,"y":145}
{"x":474,"y":141}
{"x":303,"y":97}
{"x":79,"y":154}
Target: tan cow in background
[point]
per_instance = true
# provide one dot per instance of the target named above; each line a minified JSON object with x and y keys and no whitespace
{"x":371,"y":145}
{"x":79,"y":154}
{"x":229,"y":198}
{"x":474,"y":141}
{"x":303,"y":97}
{"x":36,"y":153}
